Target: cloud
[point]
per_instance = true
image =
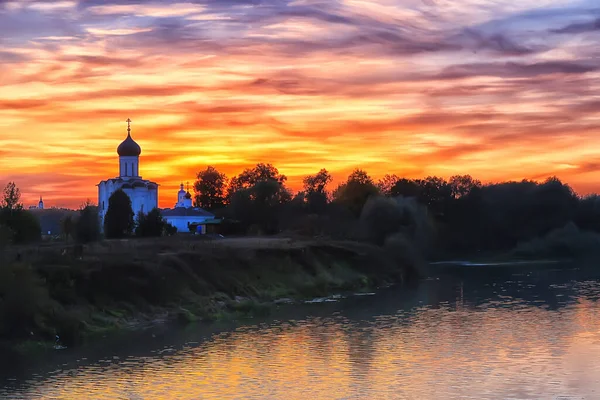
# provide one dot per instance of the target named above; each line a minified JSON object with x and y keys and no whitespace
{"x":583,"y":27}
{"x":516,"y":69}
{"x":409,"y":87}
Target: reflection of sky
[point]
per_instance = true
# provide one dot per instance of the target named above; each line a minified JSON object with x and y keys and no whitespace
{"x":496,"y":88}
{"x":434,"y":351}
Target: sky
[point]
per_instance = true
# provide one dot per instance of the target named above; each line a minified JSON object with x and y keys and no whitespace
{"x":499,"y":89}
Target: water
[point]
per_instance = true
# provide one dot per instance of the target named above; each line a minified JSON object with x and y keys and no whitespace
{"x":508,"y":333}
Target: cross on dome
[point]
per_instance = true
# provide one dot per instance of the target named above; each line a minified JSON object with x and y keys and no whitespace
{"x":129,"y":148}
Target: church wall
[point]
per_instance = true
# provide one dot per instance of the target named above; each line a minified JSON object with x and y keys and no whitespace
{"x":129,"y":167}
{"x":142,"y":198}
{"x":181,"y":223}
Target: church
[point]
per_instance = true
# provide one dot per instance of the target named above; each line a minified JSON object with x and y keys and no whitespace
{"x":184,"y":214}
{"x":143,"y":193}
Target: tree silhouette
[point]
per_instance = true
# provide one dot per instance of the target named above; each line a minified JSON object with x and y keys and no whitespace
{"x":67,"y":226}
{"x":118,"y":221}
{"x":11,"y":197}
{"x":150,"y":225}
{"x":251,"y":176}
{"x":386,"y":184}
{"x":87,"y":227}
{"x":315,"y":190}
{"x":210,"y":189}
{"x":353,"y":194}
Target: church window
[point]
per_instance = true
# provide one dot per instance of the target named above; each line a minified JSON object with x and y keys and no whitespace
{"x":125,"y":169}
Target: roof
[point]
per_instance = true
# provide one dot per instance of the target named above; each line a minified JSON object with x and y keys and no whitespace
{"x":129,"y":148}
{"x":185,"y":212}
{"x":131,"y":183}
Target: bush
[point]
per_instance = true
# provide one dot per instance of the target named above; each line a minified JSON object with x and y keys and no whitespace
{"x":6,"y":236}
{"x":87,"y":227}
{"x":24,"y":225}
{"x":383,"y":217}
{"x":118,"y":221}
{"x":568,"y":241}
{"x":151,"y":224}
{"x":23,"y":301}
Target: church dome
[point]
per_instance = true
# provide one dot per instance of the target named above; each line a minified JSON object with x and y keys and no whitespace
{"x":129,"y":148}
{"x":188,"y":195}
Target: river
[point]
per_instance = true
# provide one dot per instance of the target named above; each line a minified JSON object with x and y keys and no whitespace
{"x":518,"y":333}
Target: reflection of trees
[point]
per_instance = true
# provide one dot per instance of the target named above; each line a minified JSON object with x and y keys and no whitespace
{"x":405,"y":340}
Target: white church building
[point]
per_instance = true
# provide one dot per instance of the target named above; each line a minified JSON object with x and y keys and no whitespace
{"x":143,"y":193}
{"x":184,"y":214}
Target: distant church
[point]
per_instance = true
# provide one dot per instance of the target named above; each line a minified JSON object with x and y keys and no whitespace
{"x":184,"y":214}
{"x":143,"y":193}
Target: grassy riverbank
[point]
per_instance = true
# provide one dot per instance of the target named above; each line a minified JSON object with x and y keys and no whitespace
{"x":76,"y":292}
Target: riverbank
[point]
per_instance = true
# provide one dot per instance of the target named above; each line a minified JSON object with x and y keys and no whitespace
{"x":67,"y":294}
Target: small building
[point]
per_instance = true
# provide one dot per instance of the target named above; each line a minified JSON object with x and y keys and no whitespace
{"x":143,"y":193}
{"x":184,"y":215}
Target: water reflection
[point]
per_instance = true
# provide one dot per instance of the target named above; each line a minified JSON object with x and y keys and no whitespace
{"x":508,"y":334}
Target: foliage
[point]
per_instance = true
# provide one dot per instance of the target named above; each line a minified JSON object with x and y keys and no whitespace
{"x":568,"y":241}
{"x":251,"y":176}
{"x":118,"y":221}
{"x":257,"y":196}
{"x":6,"y":236}
{"x":406,"y":188}
{"x":259,"y":205}
{"x":387,"y":183}
{"x":11,"y":197}
{"x":23,"y":301}
{"x":151,"y":224}
{"x":210,"y":188}
{"x":23,"y":224}
{"x":353,"y":194}
{"x":87,"y":226}
{"x":462,"y":185}
{"x":67,"y":226}
{"x":383,"y":217}
{"x":315,"y":191}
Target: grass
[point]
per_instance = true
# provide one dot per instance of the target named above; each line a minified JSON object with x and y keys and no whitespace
{"x":80,"y":292}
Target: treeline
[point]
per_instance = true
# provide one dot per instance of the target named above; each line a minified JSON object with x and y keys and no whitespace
{"x":455,"y":216}
{"x":465,"y":215}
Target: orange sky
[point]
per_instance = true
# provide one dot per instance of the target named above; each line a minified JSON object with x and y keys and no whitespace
{"x":497,"y":89}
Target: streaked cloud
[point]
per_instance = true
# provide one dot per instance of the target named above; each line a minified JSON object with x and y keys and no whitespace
{"x":495,"y":88}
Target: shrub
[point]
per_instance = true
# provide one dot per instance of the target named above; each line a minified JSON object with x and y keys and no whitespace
{"x":118,"y":221}
{"x":87,"y":228}
{"x":151,"y":224}
{"x":24,"y":225}
{"x":23,"y":301}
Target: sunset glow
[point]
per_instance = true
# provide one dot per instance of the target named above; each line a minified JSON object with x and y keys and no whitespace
{"x":499,"y":89}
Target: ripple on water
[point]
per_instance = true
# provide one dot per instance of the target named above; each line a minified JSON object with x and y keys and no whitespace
{"x":516,"y":339}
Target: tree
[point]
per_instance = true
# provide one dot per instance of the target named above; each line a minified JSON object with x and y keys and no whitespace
{"x":461,"y":185}
{"x":315,"y":190}
{"x":21,"y":226}
{"x":24,"y":225}
{"x":87,"y":226}
{"x":151,"y":224}
{"x":251,"y":176}
{"x":210,"y":189}
{"x":435,"y":193}
{"x":406,"y":188}
{"x":118,"y":221}
{"x":354,"y":193}
{"x":259,"y":206}
{"x":67,"y":227}
{"x":386,"y":184}
{"x":11,"y":197}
